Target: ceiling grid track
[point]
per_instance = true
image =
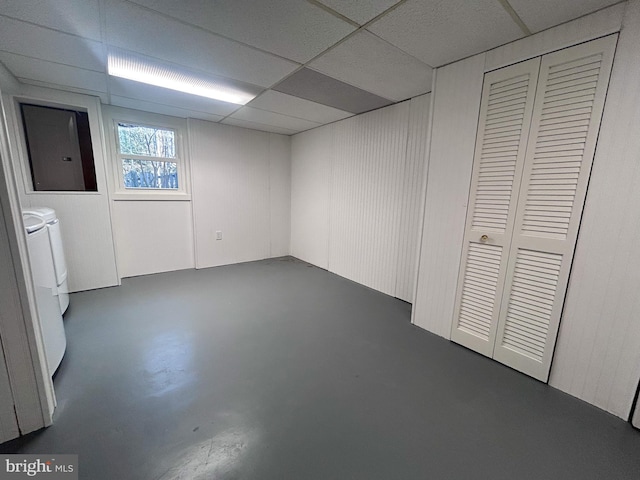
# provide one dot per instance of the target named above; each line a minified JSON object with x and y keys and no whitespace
{"x":339,"y":42}
{"x":514,"y":15}
{"x":330,"y":10}
{"x":197,"y":27}
{"x":305,"y":63}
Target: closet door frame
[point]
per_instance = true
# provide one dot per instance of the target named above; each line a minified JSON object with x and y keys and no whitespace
{"x":560,"y":248}
{"x":527,"y":260}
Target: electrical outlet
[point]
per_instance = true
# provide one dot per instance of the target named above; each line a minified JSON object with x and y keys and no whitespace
{"x":218,"y":235}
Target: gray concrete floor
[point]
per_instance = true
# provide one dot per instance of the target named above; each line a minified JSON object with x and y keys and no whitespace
{"x":280,"y":370}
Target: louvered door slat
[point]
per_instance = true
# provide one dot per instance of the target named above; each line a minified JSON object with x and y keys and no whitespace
{"x":556,"y":166}
{"x":541,"y":308}
{"x":573,"y":104}
{"x":560,"y":149}
{"x":573,"y":100}
{"x":585,"y":74}
{"x":562,"y":131}
{"x":516,"y":82}
{"x":576,"y":143}
{"x":507,"y":103}
{"x":553,"y":127}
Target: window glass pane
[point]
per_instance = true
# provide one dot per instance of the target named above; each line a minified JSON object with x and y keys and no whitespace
{"x":146,"y":141}
{"x":149,"y":174}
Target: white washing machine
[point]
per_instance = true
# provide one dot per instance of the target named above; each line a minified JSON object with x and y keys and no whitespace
{"x":46,"y":290}
{"x":59,"y":261}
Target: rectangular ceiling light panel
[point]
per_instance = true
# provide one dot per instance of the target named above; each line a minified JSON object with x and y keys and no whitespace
{"x":139,"y":69}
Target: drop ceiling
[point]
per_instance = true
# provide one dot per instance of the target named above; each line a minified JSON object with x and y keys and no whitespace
{"x":312,"y":61}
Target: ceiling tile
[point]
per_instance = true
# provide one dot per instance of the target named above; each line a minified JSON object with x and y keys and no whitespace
{"x":80,"y":17}
{"x":162,"y":109}
{"x":291,"y":28}
{"x":163,"y":96}
{"x":258,"y":126}
{"x":372,"y":64}
{"x":543,"y":14}
{"x":325,"y":90}
{"x":250,"y":114}
{"x":440,"y":32}
{"x":35,"y":69}
{"x":297,"y":107}
{"x":38,"y":42}
{"x":359,"y":11}
{"x":134,"y":28}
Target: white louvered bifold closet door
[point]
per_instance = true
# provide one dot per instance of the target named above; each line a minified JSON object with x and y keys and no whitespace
{"x":505,"y":117}
{"x":537,"y":135}
{"x":566,"y":118}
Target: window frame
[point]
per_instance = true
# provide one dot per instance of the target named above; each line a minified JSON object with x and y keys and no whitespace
{"x":66,"y":101}
{"x":116,"y":115}
{"x":29,"y":167}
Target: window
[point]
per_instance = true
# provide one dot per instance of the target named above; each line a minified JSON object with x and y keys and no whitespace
{"x":149,"y":160}
{"x":59,"y":149}
{"x":147,"y":157}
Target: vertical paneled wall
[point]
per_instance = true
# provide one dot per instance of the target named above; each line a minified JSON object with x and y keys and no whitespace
{"x":231,"y":190}
{"x":597,"y":356}
{"x":366,"y":197}
{"x":458,"y":89}
{"x":412,"y":188}
{"x":355,"y":195}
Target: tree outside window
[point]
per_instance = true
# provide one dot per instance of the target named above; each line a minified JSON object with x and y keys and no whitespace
{"x":148,"y":156}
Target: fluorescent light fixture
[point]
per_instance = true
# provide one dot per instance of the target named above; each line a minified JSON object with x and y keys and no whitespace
{"x":138,"y":69}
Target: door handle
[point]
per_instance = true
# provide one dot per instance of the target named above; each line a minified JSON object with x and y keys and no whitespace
{"x":484,"y":238}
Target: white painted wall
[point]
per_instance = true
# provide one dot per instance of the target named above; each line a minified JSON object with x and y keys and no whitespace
{"x":597,"y":357}
{"x":311,"y":160}
{"x":9,"y":84}
{"x":356,"y":187}
{"x":9,"y":312}
{"x":243,"y":182}
{"x":280,"y":195}
{"x":240,"y":188}
{"x":85,"y":217}
{"x":153,"y":232}
{"x":28,"y":399}
{"x":456,"y":105}
{"x":153,"y":236}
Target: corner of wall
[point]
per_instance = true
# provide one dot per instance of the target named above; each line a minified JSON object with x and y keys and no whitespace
{"x":597,"y":355}
{"x":456,"y":105}
{"x":9,"y":84}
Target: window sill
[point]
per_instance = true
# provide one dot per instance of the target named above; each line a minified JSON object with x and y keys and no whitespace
{"x":151,"y":197}
{"x":61,"y":192}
